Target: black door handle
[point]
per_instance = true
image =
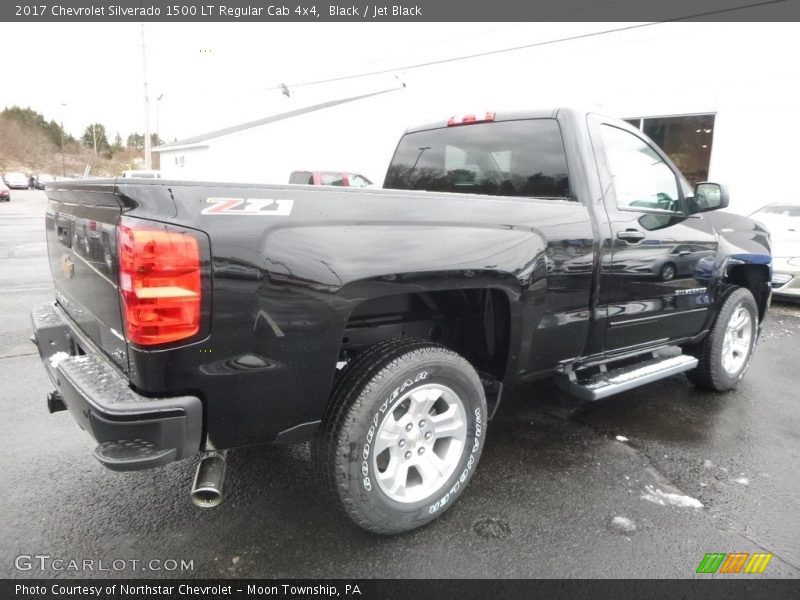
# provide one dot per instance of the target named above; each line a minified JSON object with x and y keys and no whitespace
{"x":632,"y":236}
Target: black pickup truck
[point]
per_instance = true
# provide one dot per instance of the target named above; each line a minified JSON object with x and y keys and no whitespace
{"x":386,"y":325}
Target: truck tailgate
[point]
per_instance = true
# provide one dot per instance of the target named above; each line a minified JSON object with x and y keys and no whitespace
{"x":81,"y":225}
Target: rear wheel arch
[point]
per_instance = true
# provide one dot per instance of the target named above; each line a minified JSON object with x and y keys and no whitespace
{"x":476,"y":323}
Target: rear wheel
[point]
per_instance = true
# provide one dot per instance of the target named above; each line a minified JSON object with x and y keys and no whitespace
{"x":403,"y":434}
{"x":725,"y":353}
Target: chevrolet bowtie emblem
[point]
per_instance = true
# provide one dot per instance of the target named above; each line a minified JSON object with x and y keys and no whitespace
{"x":67,"y":266}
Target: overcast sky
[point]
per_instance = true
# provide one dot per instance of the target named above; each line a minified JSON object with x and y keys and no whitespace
{"x":214,"y":75}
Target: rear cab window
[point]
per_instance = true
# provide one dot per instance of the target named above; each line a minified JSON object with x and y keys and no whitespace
{"x":301,"y":178}
{"x":503,"y":158}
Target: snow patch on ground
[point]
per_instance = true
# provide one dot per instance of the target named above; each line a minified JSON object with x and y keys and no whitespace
{"x":622,"y":438}
{"x":623,"y":524}
{"x":668,"y":499}
{"x":742,"y":480}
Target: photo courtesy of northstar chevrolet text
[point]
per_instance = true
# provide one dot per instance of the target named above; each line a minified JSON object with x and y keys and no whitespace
{"x":390,"y":295}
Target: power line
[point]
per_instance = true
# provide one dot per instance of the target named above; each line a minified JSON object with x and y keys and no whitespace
{"x":521,"y":47}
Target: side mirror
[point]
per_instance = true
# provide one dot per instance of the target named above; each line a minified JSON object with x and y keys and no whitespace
{"x":709,"y":196}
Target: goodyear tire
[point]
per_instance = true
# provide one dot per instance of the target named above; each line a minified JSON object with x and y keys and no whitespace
{"x":402,"y":436}
{"x":725,"y":353}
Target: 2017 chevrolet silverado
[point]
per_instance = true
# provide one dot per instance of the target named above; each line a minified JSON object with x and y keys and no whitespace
{"x":386,"y":325}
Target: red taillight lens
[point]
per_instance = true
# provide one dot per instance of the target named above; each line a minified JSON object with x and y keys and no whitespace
{"x":159,"y":282}
{"x":470,"y":119}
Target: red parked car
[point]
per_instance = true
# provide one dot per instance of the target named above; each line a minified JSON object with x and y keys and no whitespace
{"x":5,"y":193}
{"x":339,"y":178}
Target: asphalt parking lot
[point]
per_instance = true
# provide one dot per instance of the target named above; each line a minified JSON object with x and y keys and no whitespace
{"x":564,"y":489}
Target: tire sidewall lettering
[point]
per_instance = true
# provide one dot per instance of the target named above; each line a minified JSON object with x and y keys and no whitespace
{"x":467,"y":471}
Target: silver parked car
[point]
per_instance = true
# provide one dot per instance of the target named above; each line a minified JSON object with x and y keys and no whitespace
{"x":783,"y":223}
{"x":41,"y":180}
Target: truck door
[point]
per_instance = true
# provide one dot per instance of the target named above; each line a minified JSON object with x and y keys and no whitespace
{"x":654,"y":276}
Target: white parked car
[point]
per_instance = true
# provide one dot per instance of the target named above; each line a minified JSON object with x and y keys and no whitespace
{"x":16,"y":181}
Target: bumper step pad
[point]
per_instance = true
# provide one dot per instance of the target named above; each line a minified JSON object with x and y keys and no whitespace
{"x":124,"y":455}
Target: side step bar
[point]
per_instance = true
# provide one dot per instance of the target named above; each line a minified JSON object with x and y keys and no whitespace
{"x":607,"y":383}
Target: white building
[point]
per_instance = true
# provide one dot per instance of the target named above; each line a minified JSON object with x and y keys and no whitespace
{"x":330,"y":136}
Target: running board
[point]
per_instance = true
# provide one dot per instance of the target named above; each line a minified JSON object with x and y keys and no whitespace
{"x":607,"y":383}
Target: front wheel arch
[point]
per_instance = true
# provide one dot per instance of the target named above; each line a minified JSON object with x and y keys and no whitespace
{"x":753,"y":277}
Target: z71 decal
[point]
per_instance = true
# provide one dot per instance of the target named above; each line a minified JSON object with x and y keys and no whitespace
{"x":248,"y":206}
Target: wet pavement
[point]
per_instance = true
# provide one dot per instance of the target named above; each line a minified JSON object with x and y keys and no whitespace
{"x":564,"y":488}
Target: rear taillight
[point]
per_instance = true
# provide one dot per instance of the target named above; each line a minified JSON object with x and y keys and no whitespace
{"x":159,"y":282}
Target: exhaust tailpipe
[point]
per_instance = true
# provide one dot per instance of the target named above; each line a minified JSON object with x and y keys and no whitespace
{"x":207,"y":487}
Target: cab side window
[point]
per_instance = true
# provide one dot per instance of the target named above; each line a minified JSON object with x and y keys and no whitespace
{"x":642,"y":180}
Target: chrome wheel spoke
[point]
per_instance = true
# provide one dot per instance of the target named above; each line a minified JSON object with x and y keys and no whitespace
{"x":387,"y":439}
{"x":741,"y":345}
{"x":430,"y":467}
{"x":395,"y":477}
{"x":740,"y":319}
{"x":726,"y":362}
{"x":448,"y":424}
{"x":422,"y":400}
{"x":391,"y":426}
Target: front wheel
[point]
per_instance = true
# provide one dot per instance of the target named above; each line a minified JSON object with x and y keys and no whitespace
{"x":668,"y":272}
{"x":403,"y":434}
{"x":725,"y":353}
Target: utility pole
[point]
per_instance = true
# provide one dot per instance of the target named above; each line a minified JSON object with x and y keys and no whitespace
{"x":63,"y":165}
{"x":158,"y":109}
{"x":147,"y":163}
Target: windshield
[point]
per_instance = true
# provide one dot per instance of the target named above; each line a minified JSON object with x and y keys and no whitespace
{"x":507,"y":158}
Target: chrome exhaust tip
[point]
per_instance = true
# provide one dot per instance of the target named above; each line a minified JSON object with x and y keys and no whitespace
{"x":207,"y":487}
